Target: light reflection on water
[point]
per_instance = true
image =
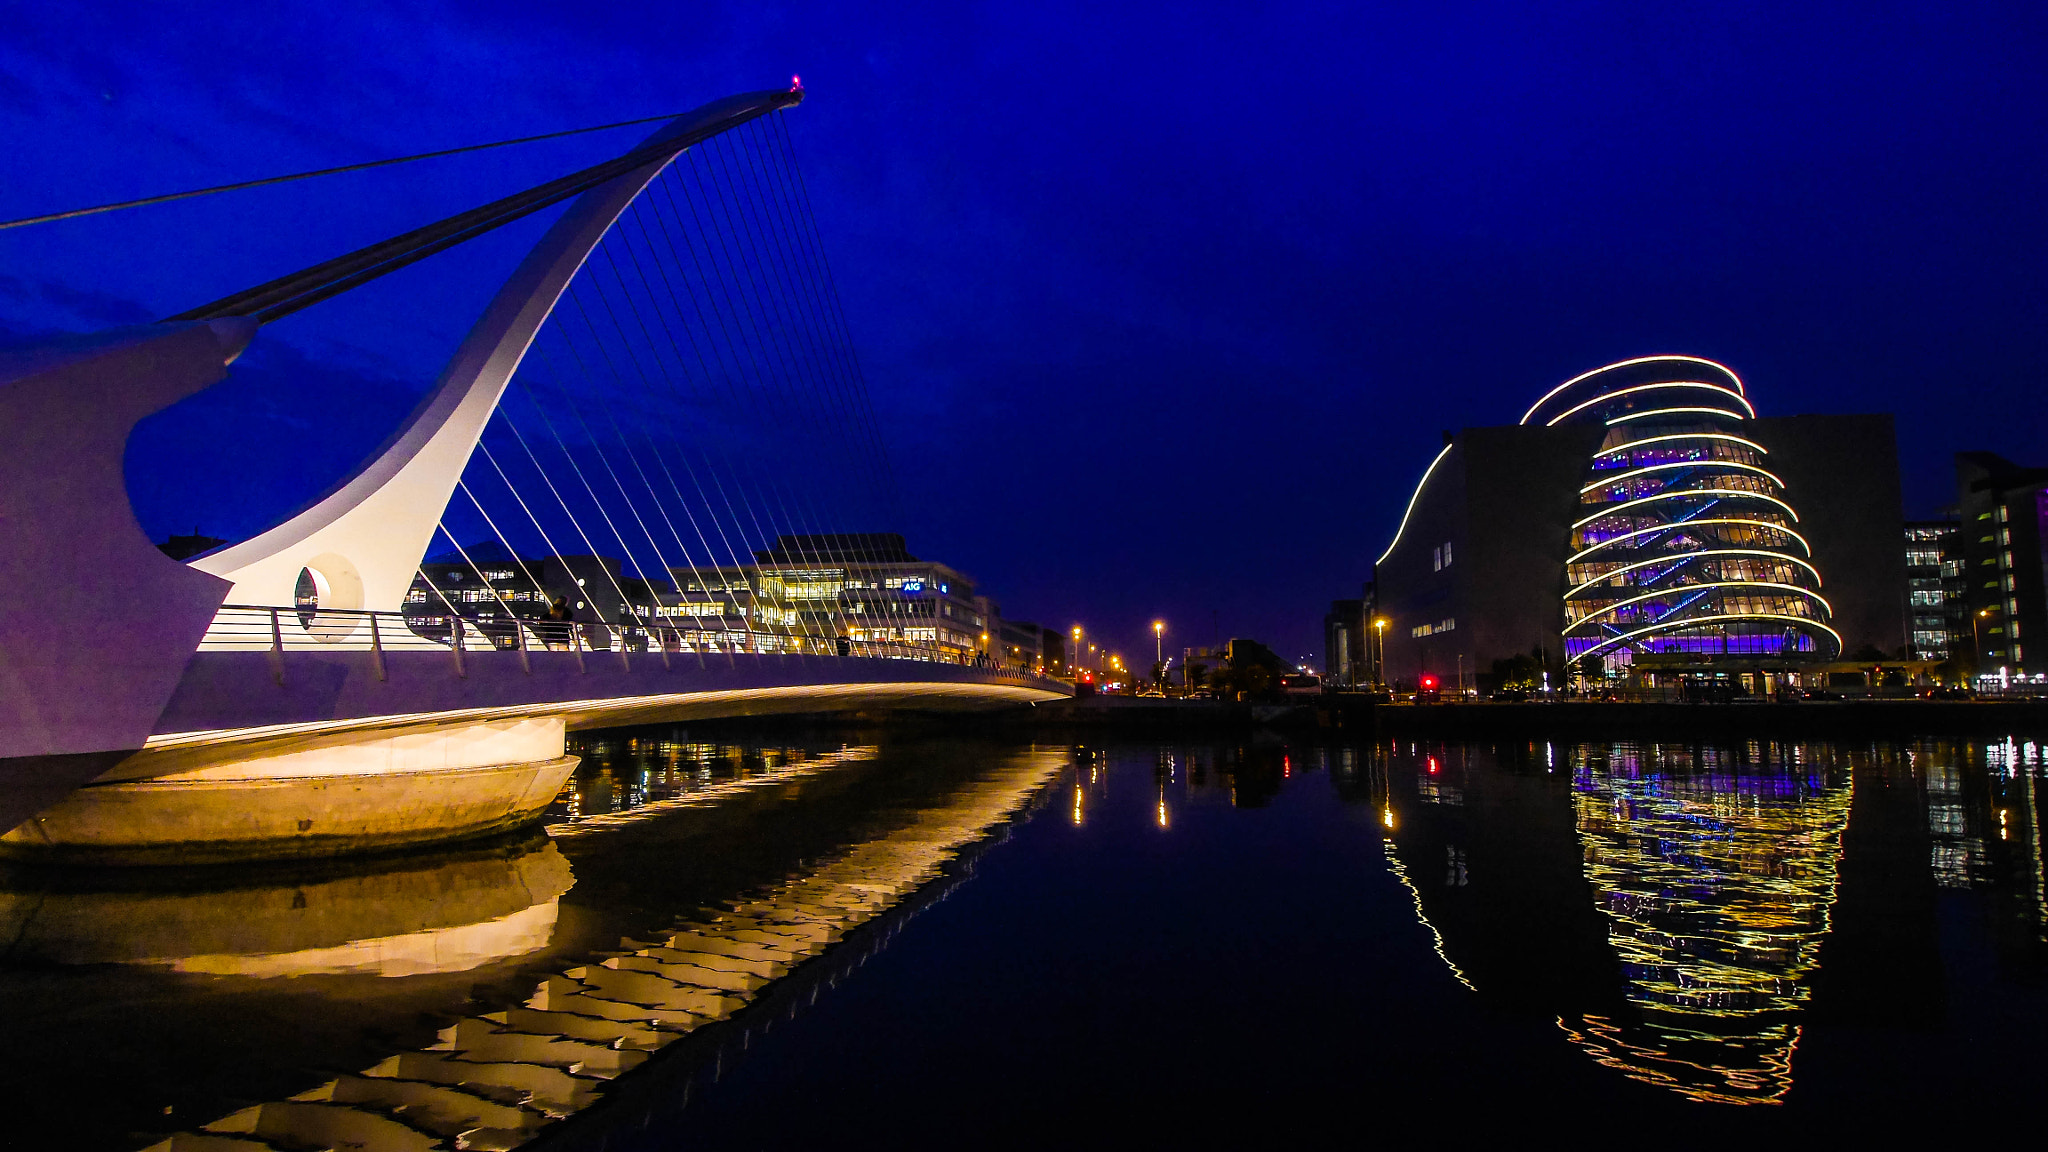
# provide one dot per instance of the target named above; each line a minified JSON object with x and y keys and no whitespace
{"x":566,"y":1008}
{"x":1716,"y":874}
{"x":1677,"y":920}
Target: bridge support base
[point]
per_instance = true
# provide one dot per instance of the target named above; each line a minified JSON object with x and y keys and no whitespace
{"x":383,"y":791}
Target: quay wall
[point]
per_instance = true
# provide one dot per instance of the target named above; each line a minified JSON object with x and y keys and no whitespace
{"x":1358,"y":716}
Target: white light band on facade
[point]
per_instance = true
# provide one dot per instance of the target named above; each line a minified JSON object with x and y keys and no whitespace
{"x":1681,"y":436}
{"x":1615,"y":509}
{"x":1683,"y":588}
{"x":1681,"y":625}
{"x":1630,"y":363}
{"x":1606,"y":396}
{"x":1676,"y":525}
{"x":1681,"y":557}
{"x":1411,"y":505}
{"x":1649,"y":412}
{"x":1682,"y":464}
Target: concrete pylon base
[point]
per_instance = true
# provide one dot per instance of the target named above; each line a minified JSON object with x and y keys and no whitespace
{"x":377,"y":793}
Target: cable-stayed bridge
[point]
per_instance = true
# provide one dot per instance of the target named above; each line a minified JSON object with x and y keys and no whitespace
{"x":663,"y":392}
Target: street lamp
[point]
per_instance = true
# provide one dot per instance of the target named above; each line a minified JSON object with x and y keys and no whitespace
{"x":1976,"y":641}
{"x":1379,"y":628}
{"x":1075,"y":663}
{"x":1158,"y":639}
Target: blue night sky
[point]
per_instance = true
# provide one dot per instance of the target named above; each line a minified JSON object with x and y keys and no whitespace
{"x":1162,"y":308}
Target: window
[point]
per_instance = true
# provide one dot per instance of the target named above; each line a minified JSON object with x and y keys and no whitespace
{"x":1436,"y":559}
{"x":691,"y":608}
{"x":1447,"y":553}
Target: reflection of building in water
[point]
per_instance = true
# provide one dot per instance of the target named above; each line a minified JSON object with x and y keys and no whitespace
{"x":1984,"y":831}
{"x":635,"y":774}
{"x":447,"y":914}
{"x":1484,"y":844}
{"x":495,"y":1079}
{"x":1716,"y":878}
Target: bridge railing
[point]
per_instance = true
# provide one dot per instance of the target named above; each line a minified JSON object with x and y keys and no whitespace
{"x":256,"y":628}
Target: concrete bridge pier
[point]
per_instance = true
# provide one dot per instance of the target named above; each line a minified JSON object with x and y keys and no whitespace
{"x":317,"y":796}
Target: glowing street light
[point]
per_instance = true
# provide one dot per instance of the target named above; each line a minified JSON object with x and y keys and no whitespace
{"x":1977,"y":641}
{"x":1158,"y":641}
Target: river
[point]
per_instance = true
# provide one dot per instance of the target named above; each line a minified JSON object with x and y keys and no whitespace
{"x":727,"y":939}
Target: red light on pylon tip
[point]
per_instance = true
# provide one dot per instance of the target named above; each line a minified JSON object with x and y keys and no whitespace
{"x":796,"y":83}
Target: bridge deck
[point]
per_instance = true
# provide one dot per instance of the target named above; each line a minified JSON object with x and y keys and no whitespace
{"x":255,"y":698}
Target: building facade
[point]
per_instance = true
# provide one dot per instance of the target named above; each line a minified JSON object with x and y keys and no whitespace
{"x":1934,"y":591}
{"x":806,"y":593}
{"x":1643,"y":509}
{"x":2001,"y":508}
{"x":1347,"y":658}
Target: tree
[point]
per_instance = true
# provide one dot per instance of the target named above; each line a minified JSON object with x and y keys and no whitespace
{"x":1518,"y":671}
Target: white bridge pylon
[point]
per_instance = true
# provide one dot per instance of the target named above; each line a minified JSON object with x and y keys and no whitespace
{"x":363,"y":543}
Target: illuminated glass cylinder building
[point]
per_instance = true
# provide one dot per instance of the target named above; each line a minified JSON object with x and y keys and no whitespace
{"x":1642,"y":514}
{"x":1685,"y":540}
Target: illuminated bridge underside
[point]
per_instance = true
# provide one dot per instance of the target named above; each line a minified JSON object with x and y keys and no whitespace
{"x":338,"y":759}
{"x":1685,"y":540}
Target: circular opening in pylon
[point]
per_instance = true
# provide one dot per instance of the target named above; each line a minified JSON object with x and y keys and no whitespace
{"x":312,"y":591}
{"x":328,"y":597}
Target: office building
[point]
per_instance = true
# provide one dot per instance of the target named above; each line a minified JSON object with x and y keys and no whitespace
{"x":1934,"y":591}
{"x":803,"y":594}
{"x":2000,"y":508}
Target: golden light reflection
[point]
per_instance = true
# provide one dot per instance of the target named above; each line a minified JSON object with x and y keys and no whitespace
{"x":1400,"y":872}
{"x":499,"y":1078}
{"x":1717,"y":887}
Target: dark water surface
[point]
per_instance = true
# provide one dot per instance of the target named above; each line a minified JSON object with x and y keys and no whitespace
{"x":915,"y":941}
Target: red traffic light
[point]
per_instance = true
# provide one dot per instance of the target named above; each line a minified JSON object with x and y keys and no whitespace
{"x":1428,"y":682}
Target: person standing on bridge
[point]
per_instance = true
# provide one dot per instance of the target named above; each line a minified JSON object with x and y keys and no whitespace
{"x":556,"y":632}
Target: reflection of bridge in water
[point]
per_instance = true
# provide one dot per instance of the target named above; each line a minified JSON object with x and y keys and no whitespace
{"x":689,"y":362}
{"x":497,"y":1077}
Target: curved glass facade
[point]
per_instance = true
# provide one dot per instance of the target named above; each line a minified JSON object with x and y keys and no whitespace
{"x":1684,"y":540}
